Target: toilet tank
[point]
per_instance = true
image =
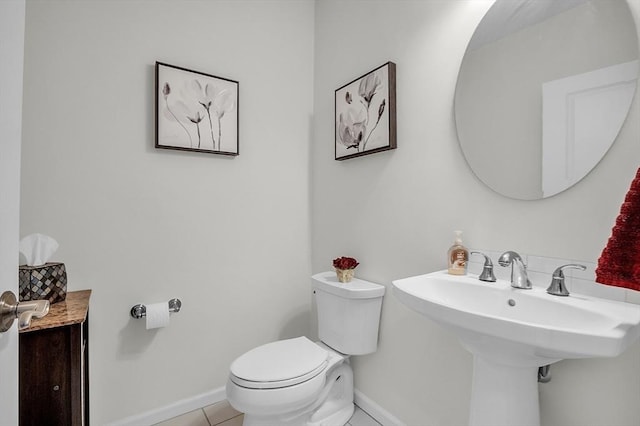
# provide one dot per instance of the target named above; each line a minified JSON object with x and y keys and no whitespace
{"x":348,"y":313}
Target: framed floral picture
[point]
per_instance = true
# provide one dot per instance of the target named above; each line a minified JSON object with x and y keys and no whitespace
{"x":365,"y":120}
{"x":196,"y":111}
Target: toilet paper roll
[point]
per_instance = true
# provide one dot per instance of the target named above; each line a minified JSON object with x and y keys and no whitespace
{"x":157,"y":315}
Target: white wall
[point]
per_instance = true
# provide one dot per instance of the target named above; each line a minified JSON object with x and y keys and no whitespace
{"x":228,"y":236}
{"x":396,"y":211}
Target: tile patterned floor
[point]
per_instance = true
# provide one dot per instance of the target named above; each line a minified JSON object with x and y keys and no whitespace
{"x":222,"y":414}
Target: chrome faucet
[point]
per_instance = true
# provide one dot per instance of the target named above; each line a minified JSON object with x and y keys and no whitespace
{"x":519,"y":278}
{"x":557,"y":287}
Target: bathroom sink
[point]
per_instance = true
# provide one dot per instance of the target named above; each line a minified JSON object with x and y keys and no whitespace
{"x":511,"y":332}
{"x":543,"y":327}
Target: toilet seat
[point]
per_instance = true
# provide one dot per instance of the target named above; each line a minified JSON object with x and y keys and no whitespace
{"x":279,"y":364}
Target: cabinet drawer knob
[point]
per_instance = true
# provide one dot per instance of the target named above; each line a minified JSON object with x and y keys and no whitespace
{"x":56,"y":388}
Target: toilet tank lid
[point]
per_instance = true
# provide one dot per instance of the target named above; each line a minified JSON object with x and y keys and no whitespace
{"x":356,"y":289}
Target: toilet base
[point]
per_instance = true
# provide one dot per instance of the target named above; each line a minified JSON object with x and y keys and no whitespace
{"x":333,"y":407}
{"x":340,"y":417}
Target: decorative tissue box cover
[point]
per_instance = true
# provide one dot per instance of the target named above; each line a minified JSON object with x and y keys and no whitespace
{"x":46,"y":282}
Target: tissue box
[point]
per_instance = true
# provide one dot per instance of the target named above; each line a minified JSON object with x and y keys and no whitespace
{"x":46,"y":282}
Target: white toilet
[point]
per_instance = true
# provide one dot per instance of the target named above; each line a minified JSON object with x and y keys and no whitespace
{"x":299,"y":382}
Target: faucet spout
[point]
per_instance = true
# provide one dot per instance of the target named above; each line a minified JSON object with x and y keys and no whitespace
{"x":519,"y":277}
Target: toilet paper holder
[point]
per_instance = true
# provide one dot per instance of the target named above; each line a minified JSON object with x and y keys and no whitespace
{"x":138,"y":311}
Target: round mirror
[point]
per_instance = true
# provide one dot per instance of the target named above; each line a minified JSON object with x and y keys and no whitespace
{"x":543,"y":90}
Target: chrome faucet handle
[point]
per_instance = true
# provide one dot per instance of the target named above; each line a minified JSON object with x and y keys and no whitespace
{"x":487,"y":269}
{"x":557,"y":287}
{"x":519,"y":277}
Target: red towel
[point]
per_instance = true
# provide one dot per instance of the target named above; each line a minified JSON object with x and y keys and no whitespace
{"x":619,"y":263}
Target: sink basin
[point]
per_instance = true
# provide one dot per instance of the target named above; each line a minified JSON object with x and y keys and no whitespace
{"x":543,"y":327}
{"x":511,"y":332}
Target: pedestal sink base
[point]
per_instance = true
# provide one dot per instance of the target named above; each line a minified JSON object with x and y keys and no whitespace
{"x":503,"y":395}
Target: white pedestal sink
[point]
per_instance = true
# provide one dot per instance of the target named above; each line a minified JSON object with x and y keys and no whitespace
{"x":512,"y":332}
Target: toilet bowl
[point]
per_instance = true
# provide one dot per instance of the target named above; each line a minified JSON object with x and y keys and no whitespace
{"x":284,"y":393}
{"x":301,"y":382}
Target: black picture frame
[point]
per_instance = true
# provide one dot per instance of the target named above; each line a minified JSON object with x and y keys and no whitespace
{"x":196,"y":111}
{"x":365,"y":114}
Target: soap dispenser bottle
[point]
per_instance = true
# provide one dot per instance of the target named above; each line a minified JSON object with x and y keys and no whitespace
{"x":458,"y":256}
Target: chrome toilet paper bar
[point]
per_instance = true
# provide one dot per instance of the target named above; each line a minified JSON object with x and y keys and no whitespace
{"x":138,"y":311}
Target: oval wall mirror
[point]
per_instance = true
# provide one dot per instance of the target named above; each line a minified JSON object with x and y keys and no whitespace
{"x":543,"y":90}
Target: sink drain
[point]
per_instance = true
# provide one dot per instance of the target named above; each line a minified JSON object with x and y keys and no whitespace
{"x":511,"y":302}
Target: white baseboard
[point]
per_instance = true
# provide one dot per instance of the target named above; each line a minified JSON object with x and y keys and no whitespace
{"x":183,"y":406}
{"x":172,"y":410}
{"x":379,"y":414}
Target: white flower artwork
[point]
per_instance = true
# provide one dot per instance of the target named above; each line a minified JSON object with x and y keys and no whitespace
{"x":196,"y":111}
{"x":365,"y":114}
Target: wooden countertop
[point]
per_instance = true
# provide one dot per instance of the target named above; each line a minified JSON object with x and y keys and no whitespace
{"x":72,"y":310}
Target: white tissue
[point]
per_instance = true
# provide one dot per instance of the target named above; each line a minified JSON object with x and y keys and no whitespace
{"x":157,"y":315}
{"x":37,"y":249}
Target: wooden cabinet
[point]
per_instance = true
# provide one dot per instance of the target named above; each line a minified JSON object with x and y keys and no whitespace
{"x":54,"y":365}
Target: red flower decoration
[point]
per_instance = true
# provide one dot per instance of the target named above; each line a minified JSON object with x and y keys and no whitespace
{"x":345,"y":263}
